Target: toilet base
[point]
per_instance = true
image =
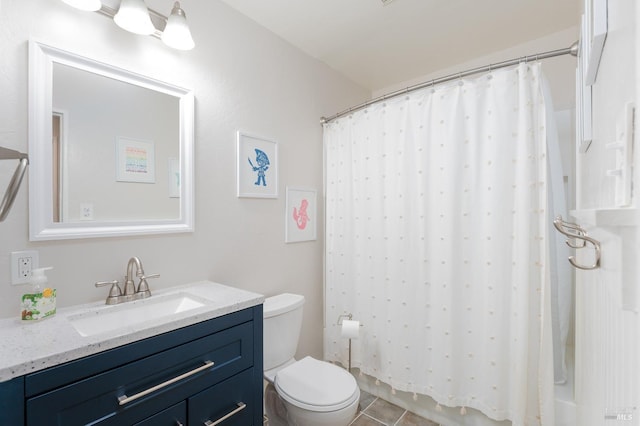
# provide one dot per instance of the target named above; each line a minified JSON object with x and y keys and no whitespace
{"x":282,"y":413}
{"x":274,"y":407}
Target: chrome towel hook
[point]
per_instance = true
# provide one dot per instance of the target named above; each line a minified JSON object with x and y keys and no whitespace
{"x":577,"y":239}
{"x":571,"y":230}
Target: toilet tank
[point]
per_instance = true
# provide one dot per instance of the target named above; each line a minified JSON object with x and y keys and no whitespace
{"x":282,"y":324}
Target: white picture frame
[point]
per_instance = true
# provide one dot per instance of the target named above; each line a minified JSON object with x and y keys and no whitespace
{"x":257,"y":166}
{"x":301,"y":215}
{"x":594,"y":36}
{"x":135,"y":160}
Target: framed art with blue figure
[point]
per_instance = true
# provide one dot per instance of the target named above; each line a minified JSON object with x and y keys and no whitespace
{"x":257,"y":166}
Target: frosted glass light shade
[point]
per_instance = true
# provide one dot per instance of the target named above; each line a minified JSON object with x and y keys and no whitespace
{"x":177,"y":34}
{"x":133,"y":16}
{"x":88,"y":5}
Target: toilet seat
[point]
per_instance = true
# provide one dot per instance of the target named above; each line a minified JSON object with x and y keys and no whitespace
{"x":316,"y":385}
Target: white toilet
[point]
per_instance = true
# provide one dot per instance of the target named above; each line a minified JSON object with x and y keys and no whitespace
{"x":314,"y":393}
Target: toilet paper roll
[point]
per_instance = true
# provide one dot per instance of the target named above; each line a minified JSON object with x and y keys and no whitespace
{"x":350,"y":329}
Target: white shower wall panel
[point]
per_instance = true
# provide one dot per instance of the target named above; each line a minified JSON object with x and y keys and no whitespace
{"x":606,"y":334}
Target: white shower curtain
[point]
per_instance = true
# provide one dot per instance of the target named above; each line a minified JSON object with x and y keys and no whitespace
{"x":437,"y":241}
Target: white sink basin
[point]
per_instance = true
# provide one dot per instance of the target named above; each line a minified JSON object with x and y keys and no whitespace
{"x":157,"y":309}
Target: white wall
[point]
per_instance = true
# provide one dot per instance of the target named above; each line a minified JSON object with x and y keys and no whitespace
{"x":606,"y":334}
{"x":244,"y":78}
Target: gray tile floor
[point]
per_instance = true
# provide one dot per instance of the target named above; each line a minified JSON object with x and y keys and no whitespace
{"x":378,"y":412}
{"x":374,"y":411}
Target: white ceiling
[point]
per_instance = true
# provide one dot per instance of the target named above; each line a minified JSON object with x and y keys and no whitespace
{"x":377,"y":46}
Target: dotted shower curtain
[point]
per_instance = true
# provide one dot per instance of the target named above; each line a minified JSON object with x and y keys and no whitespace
{"x":436,"y":241}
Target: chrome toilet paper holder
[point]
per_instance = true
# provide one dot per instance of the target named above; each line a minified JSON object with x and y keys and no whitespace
{"x":343,"y":316}
{"x":339,"y":322}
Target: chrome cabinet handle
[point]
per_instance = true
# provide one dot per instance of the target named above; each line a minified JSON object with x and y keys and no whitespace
{"x":124,"y":399}
{"x":241,"y":406}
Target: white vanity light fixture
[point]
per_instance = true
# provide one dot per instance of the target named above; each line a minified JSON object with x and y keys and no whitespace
{"x":133,"y":16}
{"x":88,"y":5}
{"x":176,"y":33}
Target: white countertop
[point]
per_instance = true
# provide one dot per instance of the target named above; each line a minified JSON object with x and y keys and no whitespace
{"x":31,"y":346}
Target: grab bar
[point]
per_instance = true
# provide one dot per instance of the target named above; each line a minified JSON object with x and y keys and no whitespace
{"x":16,"y":179}
{"x":577,"y":233}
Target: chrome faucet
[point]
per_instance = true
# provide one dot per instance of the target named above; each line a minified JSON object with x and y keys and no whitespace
{"x":143,"y":286}
{"x":130,"y":292}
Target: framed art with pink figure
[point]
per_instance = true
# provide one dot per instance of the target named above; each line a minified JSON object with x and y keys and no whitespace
{"x":300,"y":218}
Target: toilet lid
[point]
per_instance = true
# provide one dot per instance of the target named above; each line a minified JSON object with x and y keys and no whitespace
{"x":316,"y":385}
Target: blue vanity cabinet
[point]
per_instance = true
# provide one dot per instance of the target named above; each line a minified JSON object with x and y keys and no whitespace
{"x":202,"y":373}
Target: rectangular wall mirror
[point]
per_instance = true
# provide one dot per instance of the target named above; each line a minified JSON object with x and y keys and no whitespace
{"x":111,"y":150}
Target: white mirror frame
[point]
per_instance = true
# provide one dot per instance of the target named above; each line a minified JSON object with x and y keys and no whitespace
{"x":41,"y":225}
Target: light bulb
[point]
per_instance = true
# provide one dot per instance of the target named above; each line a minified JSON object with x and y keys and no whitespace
{"x":176,"y":34}
{"x":133,"y":16}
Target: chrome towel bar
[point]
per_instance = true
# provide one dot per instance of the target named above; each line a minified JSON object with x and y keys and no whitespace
{"x":16,"y":179}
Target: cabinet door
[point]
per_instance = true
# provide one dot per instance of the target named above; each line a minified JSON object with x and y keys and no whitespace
{"x":172,"y":416}
{"x":228,"y":403}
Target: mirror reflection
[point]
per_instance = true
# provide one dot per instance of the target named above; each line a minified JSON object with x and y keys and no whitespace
{"x":115,"y":149}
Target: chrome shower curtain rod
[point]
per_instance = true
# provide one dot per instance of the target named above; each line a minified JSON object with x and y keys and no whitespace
{"x":572,"y":50}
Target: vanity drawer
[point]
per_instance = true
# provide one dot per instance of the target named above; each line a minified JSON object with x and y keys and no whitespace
{"x":229,"y":403}
{"x":172,"y":416}
{"x":169,"y":377}
{"x":82,"y":368}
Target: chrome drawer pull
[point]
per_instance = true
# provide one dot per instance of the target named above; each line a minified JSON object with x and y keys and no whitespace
{"x":124,"y":399}
{"x":241,"y":406}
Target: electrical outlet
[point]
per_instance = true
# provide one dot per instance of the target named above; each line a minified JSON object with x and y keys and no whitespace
{"x":22,"y":263}
{"x":86,"y":211}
